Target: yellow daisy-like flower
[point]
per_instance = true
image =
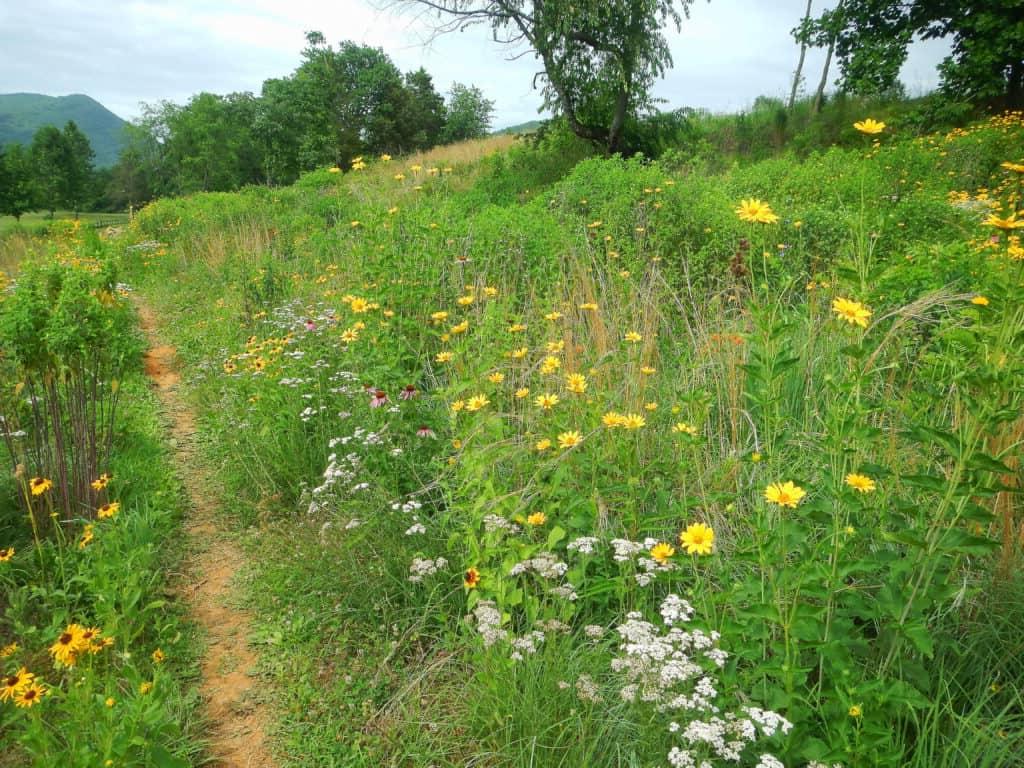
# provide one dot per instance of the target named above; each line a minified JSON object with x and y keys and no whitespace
{"x":569,"y":439}
{"x":576,"y":383}
{"x":552,"y":316}
{"x":385,"y":158}
{"x":490,"y":291}
{"x":555,"y":346}
{"x":14,"y":684}
{"x":457,"y":406}
{"x":1008,"y":223}
{"x":8,"y":650}
{"x":537,"y":518}
{"x":546,"y":401}
{"x":39,"y":485}
{"x":465,"y":301}
{"x":589,"y":306}
{"x":861,"y":483}
{"x":87,"y":536}
{"x":67,"y":647}
{"x":471,"y":578}
{"x":613,"y":419}
{"x":438,"y":317}
{"x":460,"y":328}
{"x":518,"y":354}
{"x":443,"y":357}
{"x":496,"y":377}
{"x":1017,"y":167}
{"x":516,"y":328}
{"x":662,"y":551}
{"x":522,"y":392}
{"x":980,"y":301}
{"x":30,"y":695}
{"x":476,"y":402}
{"x":697,"y":539}
{"x":158,"y":656}
{"x":542,"y":445}
{"x":855,"y":711}
{"x":784,"y":494}
{"x":633,"y":337}
{"x":852,"y":312}
{"x":550,"y":365}
{"x":101,"y":482}
{"x":633,"y":421}
{"x":647,"y":370}
{"x":350,"y":335}
{"x":108,"y":510}
{"x":359,"y":306}
{"x":6,"y":553}
{"x":756,"y":211}
{"x":870,"y":126}
{"x":145,"y":687}
{"x":650,"y":406}
{"x":682,"y":428}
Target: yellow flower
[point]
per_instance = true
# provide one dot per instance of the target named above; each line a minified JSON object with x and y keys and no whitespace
{"x":443,"y":357}
{"x":476,"y":402}
{"x":550,"y":364}
{"x":518,"y":354}
{"x":145,"y":687}
{"x":546,"y":401}
{"x":613,"y":419}
{"x":359,"y":306}
{"x":537,"y":518}
{"x":852,"y":312}
{"x":784,"y":494}
{"x":756,"y":211}
{"x":458,"y":405}
{"x":110,"y":702}
{"x":981,"y":301}
{"x":439,"y":317}
{"x":87,"y":536}
{"x":682,"y":428}
{"x":589,"y":305}
{"x":8,"y":650}
{"x":6,"y":553}
{"x":158,"y":656}
{"x":555,"y":346}
{"x":861,"y":483}
{"x":355,"y":224}
{"x":461,"y":327}
{"x":39,"y":485}
{"x":465,"y":301}
{"x":633,"y":421}
{"x":552,"y":316}
{"x":490,"y":291}
{"x":30,"y":695}
{"x":349,"y":335}
{"x":496,"y":377}
{"x":335,"y":169}
{"x":650,"y":406}
{"x":662,"y":551}
{"x":108,"y":510}
{"x":1018,"y":167}
{"x":385,"y":158}
{"x":647,"y":370}
{"x":542,"y":445}
{"x":67,"y":647}
{"x":576,"y":383}
{"x":1010,"y":222}
{"x":855,"y":711}
{"x":15,"y":683}
{"x":522,"y":392}
{"x":698,"y":539}
{"x":471,"y":578}
{"x":869,"y":126}
{"x":569,"y":439}
{"x":516,"y":328}
{"x":101,"y":482}
{"x":633,"y":337}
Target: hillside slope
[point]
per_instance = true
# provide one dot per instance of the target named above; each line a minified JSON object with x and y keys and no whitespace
{"x":22,"y":114}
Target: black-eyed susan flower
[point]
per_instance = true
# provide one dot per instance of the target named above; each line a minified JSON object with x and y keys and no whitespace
{"x":39,"y":485}
{"x":15,"y":683}
{"x":662,"y":552}
{"x":460,"y":328}
{"x":1007,"y":223}
{"x":552,"y":316}
{"x":697,"y":539}
{"x":108,"y":510}
{"x":30,"y":695}
{"x":860,"y":483}
{"x":8,"y":650}
{"x":785,"y":494}
{"x":569,"y":439}
{"x":438,"y":317}
{"x":87,"y":536}
{"x":68,"y":645}
{"x":471,"y":578}
{"x":6,"y":553}
{"x":852,"y":312}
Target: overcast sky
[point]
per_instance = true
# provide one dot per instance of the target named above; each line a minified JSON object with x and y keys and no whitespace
{"x":123,"y":52}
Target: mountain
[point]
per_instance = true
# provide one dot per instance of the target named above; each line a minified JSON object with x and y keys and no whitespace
{"x":22,"y":113}
{"x":529,"y":127}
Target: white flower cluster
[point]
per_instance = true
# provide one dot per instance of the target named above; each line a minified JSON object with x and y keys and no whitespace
{"x":526,"y":645}
{"x":546,"y":565}
{"x":341,"y":470}
{"x":422,"y":567}
{"x":673,"y":670}
{"x":488,"y":622}
{"x":495,"y":523}
{"x":585,"y":545}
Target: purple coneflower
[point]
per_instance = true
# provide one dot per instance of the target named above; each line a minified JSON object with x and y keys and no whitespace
{"x":310,"y":325}
{"x":379,"y":398}
{"x":408,"y":392}
{"x":425,"y":432}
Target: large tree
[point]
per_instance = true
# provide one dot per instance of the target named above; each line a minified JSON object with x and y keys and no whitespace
{"x":77,"y":178}
{"x":599,"y":57}
{"x":870,"y":39}
{"x":16,"y":183}
{"x":48,"y":164}
{"x":425,"y":110}
{"x":467,"y":114}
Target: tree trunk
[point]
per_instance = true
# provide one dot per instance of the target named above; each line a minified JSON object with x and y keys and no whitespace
{"x":800,"y":62}
{"x":1015,"y":86}
{"x":618,"y":121}
{"x":820,"y":94}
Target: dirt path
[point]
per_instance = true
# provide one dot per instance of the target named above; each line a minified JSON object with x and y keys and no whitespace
{"x":236,"y":736}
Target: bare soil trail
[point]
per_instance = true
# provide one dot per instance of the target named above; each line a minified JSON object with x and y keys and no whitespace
{"x":236,"y":738}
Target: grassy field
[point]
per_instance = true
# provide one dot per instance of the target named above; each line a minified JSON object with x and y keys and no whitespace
{"x":533,"y":458}
{"x":38,"y":221}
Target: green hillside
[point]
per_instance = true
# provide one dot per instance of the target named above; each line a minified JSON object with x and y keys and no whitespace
{"x":21,"y":114}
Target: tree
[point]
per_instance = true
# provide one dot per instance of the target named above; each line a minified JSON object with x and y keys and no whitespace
{"x":77,"y":175}
{"x":16,"y":187}
{"x":800,"y":62}
{"x":599,"y":57}
{"x":425,"y":115}
{"x":48,"y":167}
{"x":870,"y":39}
{"x":467,"y":115}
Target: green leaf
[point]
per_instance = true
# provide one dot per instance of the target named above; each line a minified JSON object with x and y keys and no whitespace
{"x":556,"y":535}
{"x":921,"y":637}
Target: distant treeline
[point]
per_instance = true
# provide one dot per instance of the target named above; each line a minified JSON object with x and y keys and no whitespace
{"x":339,"y":104}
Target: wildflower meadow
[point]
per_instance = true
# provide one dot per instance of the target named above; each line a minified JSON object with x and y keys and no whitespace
{"x":528,"y":458}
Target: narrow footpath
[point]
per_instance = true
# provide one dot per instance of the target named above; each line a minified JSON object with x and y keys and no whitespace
{"x":236,"y":737}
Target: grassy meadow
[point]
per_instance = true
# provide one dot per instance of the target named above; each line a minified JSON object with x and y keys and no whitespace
{"x":542,"y":459}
